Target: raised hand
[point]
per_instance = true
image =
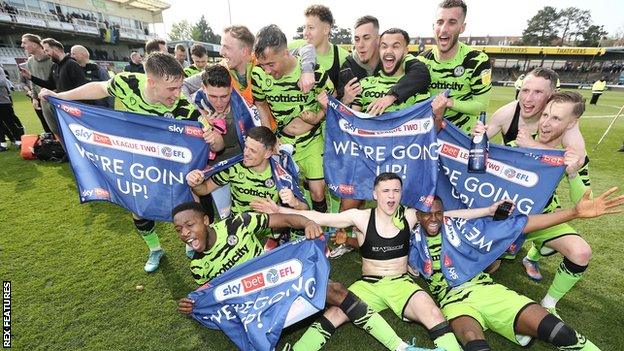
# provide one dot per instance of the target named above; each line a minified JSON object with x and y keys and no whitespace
{"x":601,"y":205}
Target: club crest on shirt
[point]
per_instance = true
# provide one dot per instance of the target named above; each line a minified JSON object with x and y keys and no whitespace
{"x":458,"y":71}
{"x":232,"y":240}
{"x":269,"y":183}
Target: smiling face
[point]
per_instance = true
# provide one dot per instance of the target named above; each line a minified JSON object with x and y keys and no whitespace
{"x":192,"y":228}
{"x":392,"y":50}
{"x":164,"y":91}
{"x":431,"y":221}
{"x":234,"y":51}
{"x":315,"y":31}
{"x":366,"y":42}
{"x":219,"y":97}
{"x":29,"y":46}
{"x":556,"y":119}
{"x":388,"y":195}
{"x":448,"y":25}
{"x":274,"y":62}
{"x":533,"y":96}
{"x":54,"y":53}
{"x":255,"y":153}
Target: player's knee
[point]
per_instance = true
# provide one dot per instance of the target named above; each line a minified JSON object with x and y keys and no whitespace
{"x":317,"y":194}
{"x":336,"y":293}
{"x":436,"y":315}
{"x":468,"y":335}
{"x":581,"y":254}
{"x":552,"y":330}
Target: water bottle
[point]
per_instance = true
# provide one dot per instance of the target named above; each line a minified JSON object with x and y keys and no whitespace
{"x":479,"y":149}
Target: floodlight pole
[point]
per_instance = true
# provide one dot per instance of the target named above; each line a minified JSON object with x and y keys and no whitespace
{"x":230,"y":12}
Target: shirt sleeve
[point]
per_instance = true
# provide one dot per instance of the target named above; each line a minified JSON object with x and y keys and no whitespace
{"x":113,"y":87}
{"x":480,"y":86}
{"x":257,"y":82}
{"x":222,"y":178}
{"x":580,"y":183}
{"x":416,"y":80}
{"x":191,"y":85}
{"x":255,"y":223}
{"x":48,"y":84}
{"x":307,"y":53}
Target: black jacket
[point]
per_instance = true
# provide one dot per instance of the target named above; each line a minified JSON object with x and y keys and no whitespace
{"x":65,"y":75}
{"x":134,"y":68}
{"x":416,"y":79}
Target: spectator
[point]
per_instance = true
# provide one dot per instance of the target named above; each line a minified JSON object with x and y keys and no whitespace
{"x":10,"y":125}
{"x":154,"y":45}
{"x":135,"y":65}
{"x":66,"y":74}
{"x":180,"y":55}
{"x":40,"y":65}
{"x":93,"y":72}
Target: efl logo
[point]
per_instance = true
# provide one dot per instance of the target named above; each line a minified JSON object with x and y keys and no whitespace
{"x":193,"y":131}
{"x":166,"y":151}
{"x":346,"y":189}
{"x":74,"y":111}
{"x":450,"y":150}
{"x":101,"y":139}
{"x":552,"y":160}
{"x":253,"y":282}
{"x":273,"y":275}
{"x":510,"y":173}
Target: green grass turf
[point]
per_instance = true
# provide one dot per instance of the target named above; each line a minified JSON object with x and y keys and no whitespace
{"x":74,"y":268}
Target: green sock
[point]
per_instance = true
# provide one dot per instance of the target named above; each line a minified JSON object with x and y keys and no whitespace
{"x":447,"y":342}
{"x":582,"y":344}
{"x":533,"y":254}
{"x":563,"y":282}
{"x":377,"y":327}
{"x":315,"y":337}
{"x":151,"y":239}
{"x":334,"y":202}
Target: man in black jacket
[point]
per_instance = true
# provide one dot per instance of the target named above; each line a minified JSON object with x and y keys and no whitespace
{"x":364,"y":62}
{"x":135,"y":65}
{"x":93,"y":73}
{"x":66,"y":74}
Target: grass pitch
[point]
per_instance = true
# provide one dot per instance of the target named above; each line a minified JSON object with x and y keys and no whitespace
{"x":74,"y":268}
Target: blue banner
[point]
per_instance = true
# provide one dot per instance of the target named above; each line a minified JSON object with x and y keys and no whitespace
{"x":468,"y":246}
{"x":252,"y":302}
{"x":527,"y":176}
{"x":136,"y":161}
{"x":358,"y":149}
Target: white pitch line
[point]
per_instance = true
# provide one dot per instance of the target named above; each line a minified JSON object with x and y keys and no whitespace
{"x":605,"y":116}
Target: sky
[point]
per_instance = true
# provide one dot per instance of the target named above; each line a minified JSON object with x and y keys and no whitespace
{"x":495,"y":18}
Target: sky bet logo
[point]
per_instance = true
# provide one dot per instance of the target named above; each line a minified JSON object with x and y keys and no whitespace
{"x":188,"y":130}
{"x":74,"y":111}
{"x":265,"y":278}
